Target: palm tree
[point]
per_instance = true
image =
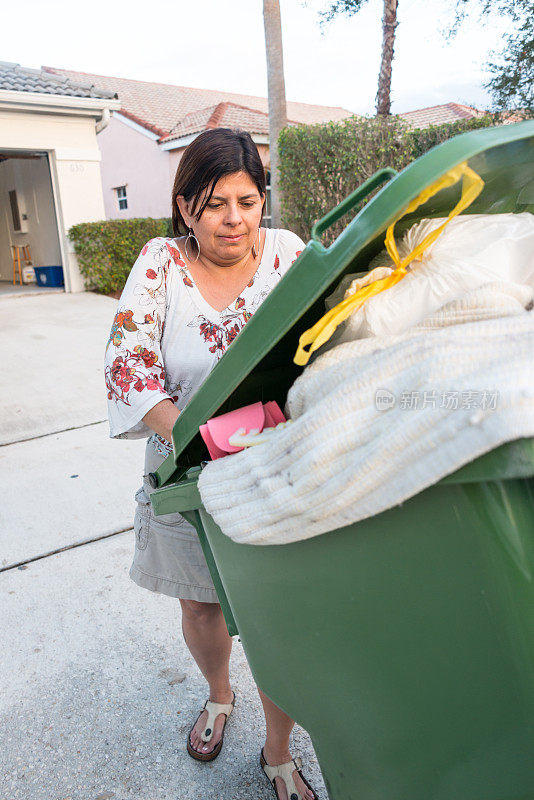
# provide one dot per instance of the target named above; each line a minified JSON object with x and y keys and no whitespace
{"x":276,"y":93}
{"x":389,"y":25}
{"x":513,"y":72}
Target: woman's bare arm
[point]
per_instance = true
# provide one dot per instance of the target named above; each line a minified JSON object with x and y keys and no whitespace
{"x":161,"y":418}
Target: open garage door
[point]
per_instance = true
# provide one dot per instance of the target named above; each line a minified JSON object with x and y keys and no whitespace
{"x":28,"y":223}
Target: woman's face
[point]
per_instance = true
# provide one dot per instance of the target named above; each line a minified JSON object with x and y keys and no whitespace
{"x":229,"y":224}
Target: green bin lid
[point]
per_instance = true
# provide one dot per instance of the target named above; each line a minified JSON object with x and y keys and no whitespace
{"x":258,"y":365}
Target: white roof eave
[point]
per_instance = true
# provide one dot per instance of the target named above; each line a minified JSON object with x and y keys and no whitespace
{"x":183,"y":141}
{"x":55,"y":103}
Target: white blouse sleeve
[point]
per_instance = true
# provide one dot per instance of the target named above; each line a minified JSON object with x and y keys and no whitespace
{"x":290,"y":246}
{"x":134,"y":369}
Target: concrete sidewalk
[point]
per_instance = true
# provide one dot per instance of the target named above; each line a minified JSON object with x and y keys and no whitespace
{"x":52,"y":351}
{"x":66,"y":488}
{"x":99,"y":690}
{"x":89,"y":711}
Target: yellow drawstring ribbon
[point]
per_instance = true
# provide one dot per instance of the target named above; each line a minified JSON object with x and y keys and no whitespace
{"x":321,"y":332}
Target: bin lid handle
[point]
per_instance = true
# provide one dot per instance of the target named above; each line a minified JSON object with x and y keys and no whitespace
{"x":346,"y":205}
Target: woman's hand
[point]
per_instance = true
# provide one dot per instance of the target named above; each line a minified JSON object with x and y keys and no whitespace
{"x":161,"y":418}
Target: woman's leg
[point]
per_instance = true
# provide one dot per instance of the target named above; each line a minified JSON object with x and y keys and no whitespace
{"x":276,"y":748}
{"x":210,"y":645}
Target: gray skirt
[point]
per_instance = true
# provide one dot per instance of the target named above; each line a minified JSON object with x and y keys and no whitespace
{"x":168,"y":557}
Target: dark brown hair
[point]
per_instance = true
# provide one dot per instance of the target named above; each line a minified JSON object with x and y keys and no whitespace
{"x":213,"y":155}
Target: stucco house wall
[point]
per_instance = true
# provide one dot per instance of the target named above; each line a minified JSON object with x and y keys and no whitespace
{"x":131,"y":157}
{"x":65,"y":129}
{"x":75,"y":171}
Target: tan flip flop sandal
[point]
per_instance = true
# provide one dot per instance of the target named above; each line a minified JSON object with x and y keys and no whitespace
{"x":213,"y":709}
{"x":285,"y":771}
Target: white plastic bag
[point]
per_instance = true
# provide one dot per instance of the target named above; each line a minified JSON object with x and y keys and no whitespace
{"x":473,"y":250}
{"x":355,"y":280}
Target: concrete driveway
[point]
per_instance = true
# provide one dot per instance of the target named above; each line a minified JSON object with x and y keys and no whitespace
{"x":99,"y":690}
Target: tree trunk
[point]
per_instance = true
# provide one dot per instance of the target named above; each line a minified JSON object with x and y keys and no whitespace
{"x":389,"y":24}
{"x":277,"y":95}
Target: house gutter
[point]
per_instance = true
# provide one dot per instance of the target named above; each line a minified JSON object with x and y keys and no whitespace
{"x":104,"y":121}
{"x":40,"y":103}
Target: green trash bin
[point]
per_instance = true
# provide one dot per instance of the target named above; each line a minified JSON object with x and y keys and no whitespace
{"x":404,"y":643}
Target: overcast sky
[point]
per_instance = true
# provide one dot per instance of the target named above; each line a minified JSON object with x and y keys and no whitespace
{"x":219,"y":44}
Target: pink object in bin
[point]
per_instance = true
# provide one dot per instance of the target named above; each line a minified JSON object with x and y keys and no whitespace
{"x":218,"y":430}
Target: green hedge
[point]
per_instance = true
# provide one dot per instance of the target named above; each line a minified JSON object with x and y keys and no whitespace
{"x":107,"y":250}
{"x":322,"y":164}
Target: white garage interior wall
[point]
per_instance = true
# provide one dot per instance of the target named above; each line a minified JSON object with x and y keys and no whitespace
{"x":30,"y":178}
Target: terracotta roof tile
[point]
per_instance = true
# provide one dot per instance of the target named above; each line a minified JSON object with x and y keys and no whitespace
{"x":142,"y":122}
{"x":223,"y":115}
{"x":438,"y":115}
{"x":161,"y":106}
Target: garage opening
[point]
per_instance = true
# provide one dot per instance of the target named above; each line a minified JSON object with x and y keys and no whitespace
{"x":30,"y":254}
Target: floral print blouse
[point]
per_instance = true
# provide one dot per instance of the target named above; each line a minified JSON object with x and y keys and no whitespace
{"x":166,"y":338}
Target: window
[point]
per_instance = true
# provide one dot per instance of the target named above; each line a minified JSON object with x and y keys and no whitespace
{"x":267,"y":218}
{"x":121,"y":197}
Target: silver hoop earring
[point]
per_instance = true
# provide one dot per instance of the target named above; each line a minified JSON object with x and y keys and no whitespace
{"x":256,"y":250}
{"x":191,"y":235}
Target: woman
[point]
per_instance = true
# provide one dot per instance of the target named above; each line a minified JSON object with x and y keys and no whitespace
{"x":185,"y":300}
